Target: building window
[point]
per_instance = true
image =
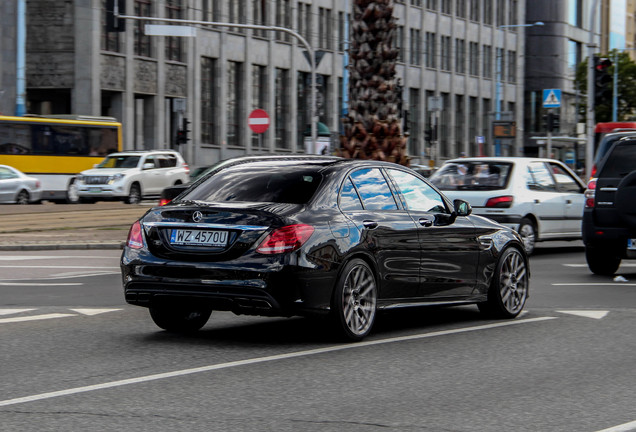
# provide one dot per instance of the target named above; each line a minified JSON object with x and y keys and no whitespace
{"x":473,"y":60}
{"x":460,"y":56}
{"x":487,"y":12}
{"x":233,"y":103}
{"x":460,"y":8}
{"x":237,"y":14}
{"x":208,"y":100}
{"x":501,"y":65}
{"x":475,"y":10}
{"x":487,"y":61}
{"x":259,"y":17}
{"x":512,"y":13}
{"x":574,"y":55}
{"x":444,"y":126}
{"x":415,"y":47}
{"x":501,"y":12}
{"x":460,"y":125}
{"x":259,"y":98}
{"x":575,"y":12}
{"x":473,"y":150}
{"x":283,"y":19}
{"x":209,"y":10}
{"x":304,"y":21}
{"x":485,"y":125}
{"x":430,"y":52}
{"x":143,"y":46}
{"x":431,"y":4}
{"x":446,"y":53}
{"x":325,"y":32}
{"x":110,"y":41}
{"x":174,"y":45}
{"x":417,"y":3}
{"x":415,"y":132}
{"x":446,"y":7}
{"x":281,"y":107}
{"x":512,"y":66}
{"x":399,"y":43}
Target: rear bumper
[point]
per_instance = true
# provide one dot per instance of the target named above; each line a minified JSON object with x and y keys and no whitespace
{"x":597,"y":234}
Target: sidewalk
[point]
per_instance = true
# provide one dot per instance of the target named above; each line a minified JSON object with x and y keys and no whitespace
{"x":50,"y":226}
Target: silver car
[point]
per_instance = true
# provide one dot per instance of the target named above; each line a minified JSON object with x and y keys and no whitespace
{"x":17,"y":187}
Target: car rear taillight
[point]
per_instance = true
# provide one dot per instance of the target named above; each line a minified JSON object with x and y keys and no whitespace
{"x":593,"y":173}
{"x":164,"y":201}
{"x":285,"y":239}
{"x":135,"y":236}
{"x":590,"y":193}
{"x":500,"y":202}
{"x":38,"y":184}
{"x":187,"y":168}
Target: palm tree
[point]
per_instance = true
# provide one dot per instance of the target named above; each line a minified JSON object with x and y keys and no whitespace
{"x":372,"y":126}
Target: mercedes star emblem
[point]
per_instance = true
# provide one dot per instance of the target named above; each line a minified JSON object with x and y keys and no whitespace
{"x":197,"y":216}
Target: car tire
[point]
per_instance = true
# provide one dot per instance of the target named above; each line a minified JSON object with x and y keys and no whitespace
{"x":508,"y":290}
{"x":354,"y":302}
{"x":134,"y":196}
{"x":602,"y":260}
{"x":72,"y":196}
{"x":22,"y":197}
{"x":528,"y":232}
{"x":180,"y":319}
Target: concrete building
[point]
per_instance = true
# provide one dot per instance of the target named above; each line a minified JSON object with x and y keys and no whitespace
{"x":455,"y":56}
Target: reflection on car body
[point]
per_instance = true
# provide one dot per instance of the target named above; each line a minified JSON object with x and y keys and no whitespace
{"x":312,"y":235}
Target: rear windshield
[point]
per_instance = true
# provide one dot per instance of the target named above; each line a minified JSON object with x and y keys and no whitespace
{"x":473,"y":175}
{"x":259,"y":183}
{"x":620,"y":162}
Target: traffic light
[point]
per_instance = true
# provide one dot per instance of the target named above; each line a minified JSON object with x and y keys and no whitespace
{"x":182,"y":134}
{"x":551,"y":122}
{"x":114,"y":24}
{"x":602,"y":81}
{"x":430,"y":134}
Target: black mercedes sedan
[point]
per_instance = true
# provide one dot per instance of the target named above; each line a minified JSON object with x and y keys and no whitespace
{"x":318,"y":235}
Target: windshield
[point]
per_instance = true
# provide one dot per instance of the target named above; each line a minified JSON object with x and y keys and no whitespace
{"x":472,"y":175}
{"x":259,"y":183}
{"x":119,"y":162}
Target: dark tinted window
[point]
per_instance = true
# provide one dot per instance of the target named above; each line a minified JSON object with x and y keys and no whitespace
{"x":620,"y":162}
{"x":472,"y":175}
{"x":349,"y":199}
{"x":259,"y":183}
{"x":373,"y":189}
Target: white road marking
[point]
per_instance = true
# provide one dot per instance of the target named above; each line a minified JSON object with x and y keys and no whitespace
{"x":61,"y":267}
{"x":596,"y":314}
{"x":91,"y":312}
{"x":35,"y":318}
{"x":585,"y":265}
{"x":66,"y":275}
{"x":595,"y":284}
{"x":40,"y":284}
{"x":39,"y":257}
{"x":625,"y":427}
{"x":213,"y":367}
{"x":13,"y":311}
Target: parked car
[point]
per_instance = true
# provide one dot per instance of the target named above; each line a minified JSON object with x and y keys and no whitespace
{"x":132,"y":176}
{"x":17,"y":187}
{"x":609,"y":217}
{"x":542,"y":199}
{"x":318,"y":235}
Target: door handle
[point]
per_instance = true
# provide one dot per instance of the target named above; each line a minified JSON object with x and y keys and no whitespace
{"x":568,"y":201}
{"x":537,"y":201}
{"x":370,"y":224}
{"x":425,"y":222}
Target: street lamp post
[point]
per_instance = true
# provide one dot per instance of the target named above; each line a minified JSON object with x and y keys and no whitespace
{"x":589,"y":122}
{"x":498,"y":79}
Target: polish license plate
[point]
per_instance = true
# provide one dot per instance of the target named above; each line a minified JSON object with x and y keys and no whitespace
{"x":198,"y":237}
{"x":631,"y":244}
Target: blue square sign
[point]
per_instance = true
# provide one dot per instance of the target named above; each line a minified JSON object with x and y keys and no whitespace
{"x":551,"y":98}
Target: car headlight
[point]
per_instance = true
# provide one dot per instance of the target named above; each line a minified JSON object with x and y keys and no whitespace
{"x":117,"y":177}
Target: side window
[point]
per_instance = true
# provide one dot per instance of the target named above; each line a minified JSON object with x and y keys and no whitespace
{"x":349,"y":199}
{"x":168,"y":161}
{"x":374,"y":190}
{"x":539,"y":178}
{"x":151,"y":160}
{"x":419,"y":196}
{"x":6,"y":173}
{"x":564,"y":180}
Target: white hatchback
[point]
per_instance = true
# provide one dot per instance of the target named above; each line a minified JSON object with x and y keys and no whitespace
{"x":132,"y":175}
{"x":542,"y":199}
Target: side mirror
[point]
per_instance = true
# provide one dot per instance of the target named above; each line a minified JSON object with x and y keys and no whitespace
{"x":148,"y":165}
{"x":462,"y":208}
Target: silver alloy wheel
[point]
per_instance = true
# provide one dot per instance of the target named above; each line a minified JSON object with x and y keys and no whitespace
{"x":359,"y":300}
{"x":22,"y":198}
{"x":134,"y":196}
{"x":72,"y":196}
{"x":513,"y":282}
{"x":528,"y":235}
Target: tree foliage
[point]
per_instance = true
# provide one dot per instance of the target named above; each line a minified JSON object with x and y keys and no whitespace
{"x":626,"y":88}
{"x":373,"y":125}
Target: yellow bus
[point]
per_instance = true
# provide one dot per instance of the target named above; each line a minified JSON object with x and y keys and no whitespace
{"x":56,"y":148}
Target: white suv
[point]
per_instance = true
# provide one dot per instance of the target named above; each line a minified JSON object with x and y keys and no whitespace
{"x":132,"y":175}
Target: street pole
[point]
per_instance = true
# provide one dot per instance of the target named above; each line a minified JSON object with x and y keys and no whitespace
{"x":615,"y":89}
{"x":20,"y":102}
{"x":302,"y":40}
{"x":589,"y":148}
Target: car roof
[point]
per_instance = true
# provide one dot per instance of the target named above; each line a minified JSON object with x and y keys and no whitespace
{"x":141,"y":152}
{"x":514,"y":159}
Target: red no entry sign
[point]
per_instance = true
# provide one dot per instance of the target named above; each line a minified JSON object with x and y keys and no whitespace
{"x":258,"y":121}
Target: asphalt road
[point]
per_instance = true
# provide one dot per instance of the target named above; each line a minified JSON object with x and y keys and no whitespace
{"x":76,"y":357}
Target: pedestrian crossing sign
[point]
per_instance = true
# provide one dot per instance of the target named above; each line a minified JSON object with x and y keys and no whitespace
{"x":551,"y":98}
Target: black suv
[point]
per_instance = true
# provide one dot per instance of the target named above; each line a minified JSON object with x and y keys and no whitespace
{"x":609,"y":216}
